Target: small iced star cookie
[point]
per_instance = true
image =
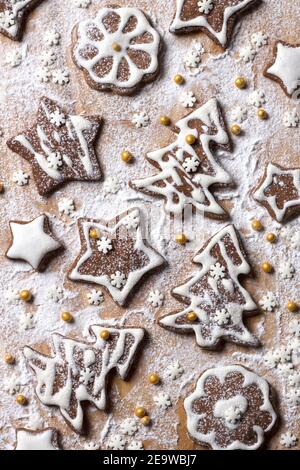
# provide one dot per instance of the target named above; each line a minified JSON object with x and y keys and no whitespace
{"x":279,"y":192}
{"x":59,"y":147}
{"x":12,"y":15}
{"x":117,"y":50}
{"x":285,"y":69}
{"x":32,"y":242}
{"x":230,"y":409}
{"x":215,"y":17}
{"x":46,"y":439}
{"x":114,"y":254}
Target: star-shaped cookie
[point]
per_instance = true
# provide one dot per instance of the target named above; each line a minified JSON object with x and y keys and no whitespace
{"x":114,"y":254}
{"x":12,"y":13}
{"x":215,"y":17}
{"x":32,"y":242}
{"x":60,"y":147}
{"x":285,"y":69}
{"x":46,"y":439}
{"x":279,"y":192}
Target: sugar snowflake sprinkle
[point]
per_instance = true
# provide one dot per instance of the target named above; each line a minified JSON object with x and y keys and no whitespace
{"x":174,"y":371}
{"x":61,"y":77}
{"x":188,"y":99}
{"x":118,"y":279}
{"x":52,"y":38}
{"x":140,"y":119}
{"x":257,"y":98}
{"x":286,"y":270}
{"x":55,"y":293}
{"x":268,"y":302}
{"x":104,"y":245}
{"x":43,"y":74}
{"x":247,"y":54}
{"x":116,"y":442}
{"x":66,"y":206}
{"x":217,"y":271}
{"x":20,"y":178}
{"x":205,"y":6}
{"x":129,"y":427}
{"x":156,"y":298}
{"x":135,"y":445}
{"x":57,"y":118}
{"x":288,"y":439}
{"x":95,"y":297}
{"x":111,"y":185}
{"x":259,"y":39}
{"x":291,"y":118}
{"x":239,"y":114}
{"x":163,"y":400}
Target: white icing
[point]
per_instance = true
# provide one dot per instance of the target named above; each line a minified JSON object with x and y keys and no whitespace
{"x":45,"y":369}
{"x":287,"y":67}
{"x":28,"y":440}
{"x":202,"y":20}
{"x":271,"y":173}
{"x":104,"y":47}
{"x":207,"y":261}
{"x":30,"y":242}
{"x":118,"y":294}
{"x":209,"y":114}
{"x":221,"y":373}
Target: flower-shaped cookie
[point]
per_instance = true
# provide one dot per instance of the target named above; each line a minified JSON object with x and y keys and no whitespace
{"x":118,"y":50}
{"x":230,"y":409}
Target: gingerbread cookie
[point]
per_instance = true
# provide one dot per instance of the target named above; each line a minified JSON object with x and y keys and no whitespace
{"x":59,"y":147}
{"x":285,"y":69}
{"x":117,"y":50}
{"x":187,"y":167}
{"x":78,"y":370}
{"x":279,"y":192}
{"x":230,"y":409}
{"x":215,"y":17}
{"x":12,"y":15}
{"x":215,"y":299}
{"x":114,"y":254}
{"x":32,"y":242}
{"x":46,"y":439}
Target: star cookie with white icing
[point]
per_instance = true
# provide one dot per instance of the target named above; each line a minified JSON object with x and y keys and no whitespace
{"x":114,"y":254}
{"x":46,"y":439}
{"x":117,"y":50}
{"x":214,"y":17}
{"x":77,"y":370}
{"x":279,"y":192}
{"x":216,"y":302}
{"x":285,"y":69}
{"x":59,"y":147}
{"x":32,"y":242}
{"x":12,"y":15}
{"x":230,"y":409}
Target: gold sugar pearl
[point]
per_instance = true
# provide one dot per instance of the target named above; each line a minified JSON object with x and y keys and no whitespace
{"x":21,"y":400}
{"x":192,"y":316}
{"x":178,"y":79}
{"x":104,"y":335}
{"x":126,"y":156}
{"x":271,"y":237}
{"x":240,"y":82}
{"x":67,"y":317}
{"x":292,"y":306}
{"x":116,"y":47}
{"x":154,"y":379}
{"x":236,"y":129}
{"x":165,"y":120}
{"x":94,"y":233}
{"x":181,"y":239}
{"x":140,"y":412}
{"x":9,"y":359}
{"x":267,"y":267}
{"x":25,"y":295}
{"x":146,"y":420}
{"x":257,"y":225}
{"x":190,"y":139}
{"x":262,"y":114}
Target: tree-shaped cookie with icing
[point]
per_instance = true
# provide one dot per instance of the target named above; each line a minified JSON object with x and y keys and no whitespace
{"x":230,"y":409}
{"x":12,"y":16}
{"x":117,"y":50}
{"x":59,"y":147}
{"x":279,"y":192}
{"x":285,"y":68}
{"x":214,"y":17}
{"x":215,"y":300}
{"x":187,"y":167}
{"x":78,"y":370}
{"x":114,"y":254}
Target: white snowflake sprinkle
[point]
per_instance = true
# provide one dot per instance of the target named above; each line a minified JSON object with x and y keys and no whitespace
{"x":174,"y":371}
{"x":91,"y":446}
{"x":26,"y":321}
{"x":48,"y":58}
{"x":104,"y":245}
{"x":12,"y":385}
{"x":61,"y":77}
{"x":188,"y":99}
{"x":15,"y":59}
{"x":86,"y":376}
{"x":135,"y":445}
{"x":205,"y":6}
{"x":163,"y":400}
{"x":192,"y":59}
{"x":233,"y":415}
{"x":116,"y":442}
{"x":52,"y":38}
{"x":294,"y":380}
{"x":54,"y":161}
{"x":156,"y":298}
{"x":288,"y":439}
{"x":55,"y":293}
{"x":286,"y":270}
{"x":291,"y":118}
{"x":20,"y":178}
{"x":82,"y":3}
{"x":239,"y":114}
{"x":43,"y":74}
{"x":293,"y":397}
{"x":257,"y":98}
{"x":111,"y":185}
{"x":132,"y":221}
{"x":66,"y":206}
{"x":7,"y":19}
{"x":95,"y":297}
{"x":12,"y":296}
{"x":118,"y":279}
{"x":268,"y":302}
{"x":247,"y":54}
{"x":295,"y":240}
{"x":129,"y":427}
{"x":217,"y":271}
{"x":271,"y":360}
{"x":191,"y":164}
{"x":259,"y":39}
{"x":57,"y":118}
{"x":140,"y":119}
{"x":295,"y":328}
{"x":222,"y":317}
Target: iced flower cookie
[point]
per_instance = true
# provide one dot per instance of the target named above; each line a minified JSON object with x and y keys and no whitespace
{"x":117,"y":50}
{"x":230,"y":409}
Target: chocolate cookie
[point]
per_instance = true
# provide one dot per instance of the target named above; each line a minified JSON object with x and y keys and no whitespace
{"x":12,"y":16}
{"x":230,"y":409}
{"x":187,"y":167}
{"x":78,"y":370}
{"x":279,"y":192}
{"x":59,"y":147}
{"x":214,"y":17}
{"x":46,"y":439}
{"x":117,"y":50}
{"x":215,"y":299}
